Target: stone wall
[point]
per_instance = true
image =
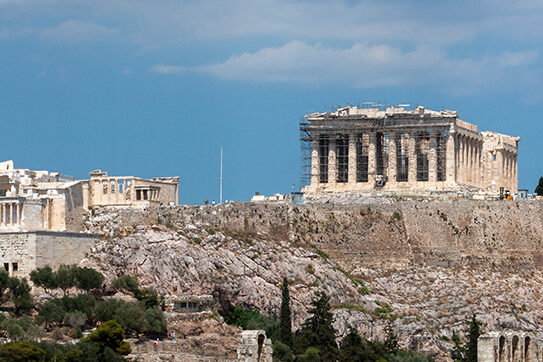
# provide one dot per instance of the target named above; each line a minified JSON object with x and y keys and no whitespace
{"x":31,"y":250}
{"x":505,"y":235}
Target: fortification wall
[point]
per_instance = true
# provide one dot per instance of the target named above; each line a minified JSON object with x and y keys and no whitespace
{"x":384,"y":234}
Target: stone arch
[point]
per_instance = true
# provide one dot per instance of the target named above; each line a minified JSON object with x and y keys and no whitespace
{"x":502,"y":349}
{"x":528,"y":349}
{"x":516,"y":353}
{"x":261,"y":339}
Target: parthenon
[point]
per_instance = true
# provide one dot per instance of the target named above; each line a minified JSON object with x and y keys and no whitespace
{"x":400,"y":151}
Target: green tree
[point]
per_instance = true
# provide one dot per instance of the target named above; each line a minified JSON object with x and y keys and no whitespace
{"x":317,"y":331}
{"x":282,"y":352}
{"x":20,"y":295}
{"x":285,"y":322}
{"x":391,"y":340}
{"x":65,"y":277}
{"x":126,"y":282}
{"x":52,"y":311}
{"x":4,"y":283}
{"x":75,"y":319}
{"x":44,"y":277}
{"x":468,"y":352}
{"x":21,"y":351}
{"x":109,"y":335}
{"x":352,"y":347}
{"x":539,"y":187}
{"x":156,"y":321}
{"x":88,"y":279}
{"x":473,"y":335}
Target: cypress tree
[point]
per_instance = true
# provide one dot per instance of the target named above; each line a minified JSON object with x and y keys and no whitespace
{"x":539,"y":187}
{"x":285,"y":322}
{"x":318,"y":331}
{"x":473,"y":336}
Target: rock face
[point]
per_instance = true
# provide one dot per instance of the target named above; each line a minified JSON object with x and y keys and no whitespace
{"x":425,"y":267}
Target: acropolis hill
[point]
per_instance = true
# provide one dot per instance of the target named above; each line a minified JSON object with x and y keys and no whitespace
{"x":434,"y":263}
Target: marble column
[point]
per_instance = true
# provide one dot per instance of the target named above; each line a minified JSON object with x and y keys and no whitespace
{"x":411,"y":153}
{"x":392,"y":150}
{"x":315,"y":162}
{"x":371,"y":158}
{"x":332,"y":170}
{"x":351,"y":173}
{"x":432,"y":159}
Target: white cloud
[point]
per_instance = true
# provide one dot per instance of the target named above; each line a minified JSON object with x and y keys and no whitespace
{"x":359,"y":66}
{"x":76,"y":31}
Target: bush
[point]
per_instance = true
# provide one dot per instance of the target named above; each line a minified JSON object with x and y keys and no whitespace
{"x":109,"y":335}
{"x":52,"y":311}
{"x":65,"y":276}
{"x":126,"y":282}
{"x":248,"y":319}
{"x":282,"y":352}
{"x":75,"y":319}
{"x":22,"y":351}
{"x":88,"y":279}
{"x":132,"y":317}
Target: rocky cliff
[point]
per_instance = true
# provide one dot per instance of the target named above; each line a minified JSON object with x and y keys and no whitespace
{"x":425,"y":267}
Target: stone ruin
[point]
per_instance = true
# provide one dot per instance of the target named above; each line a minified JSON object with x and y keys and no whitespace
{"x":397,"y":151}
{"x":255,"y":347}
{"x":509,"y":347}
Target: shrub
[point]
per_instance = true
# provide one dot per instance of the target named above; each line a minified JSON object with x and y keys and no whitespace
{"x":52,"y":311}
{"x":322,"y":254}
{"x":20,"y":295}
{"x":88,"y":279}
{"x":109,"y":335}
{"x":282,"y":352}
{"x":65,"y":276}
{"x":21,"y":351}
{"x":397,"y":216}
{"x":126,"y":282}
{"x":75,"y":319}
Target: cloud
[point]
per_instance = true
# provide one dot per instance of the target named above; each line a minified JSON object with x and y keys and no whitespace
{"x":359,"y":66}
{"x":76,"y":31}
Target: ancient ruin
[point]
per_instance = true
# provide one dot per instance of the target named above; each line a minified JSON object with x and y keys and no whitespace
{"x":509,"y":347}
{"x":43,"y":200}
{"x":41,"y":212}
{"x":254,"y":347}
{"x":393,"y":150}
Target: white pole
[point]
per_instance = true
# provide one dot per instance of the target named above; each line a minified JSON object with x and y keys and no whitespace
{"x":220,"y":187}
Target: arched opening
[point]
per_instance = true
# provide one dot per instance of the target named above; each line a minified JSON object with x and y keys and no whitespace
{"x":528,"y":350}
{"x":502,"y":352}
{"x":261,"y":339}
{"x":515,"y":350}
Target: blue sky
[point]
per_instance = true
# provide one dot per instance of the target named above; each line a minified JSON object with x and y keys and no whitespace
{"x":154,"y":88}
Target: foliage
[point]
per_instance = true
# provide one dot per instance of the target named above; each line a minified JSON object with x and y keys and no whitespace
{"x":52,"y":311}
{"x":282,"y":352}
{"x":133,"y":317}
{"x":21,"y":351}
{"x":391,"y":340}
{"x":126,"y":282}
{"x":539,"y":188}
{"x":109,"y":335}
{"x":248,"y":319}
{"x":75,"y":319}
{"x":44,"y":277}
{"x":317,"y":331}
{"x":285,"y":322}
{"x":148,"y":297}
{"x":467,"y":352}
{"x":4,"y":282}
{"x":65,"y":276}
{"x":88,"y":279}
{"x":20,"y":295}
{"x":19,"y":328}
{"x":354,"y":348}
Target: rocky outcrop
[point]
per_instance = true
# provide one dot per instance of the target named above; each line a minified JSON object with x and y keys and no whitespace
{"x":423,"y":267}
